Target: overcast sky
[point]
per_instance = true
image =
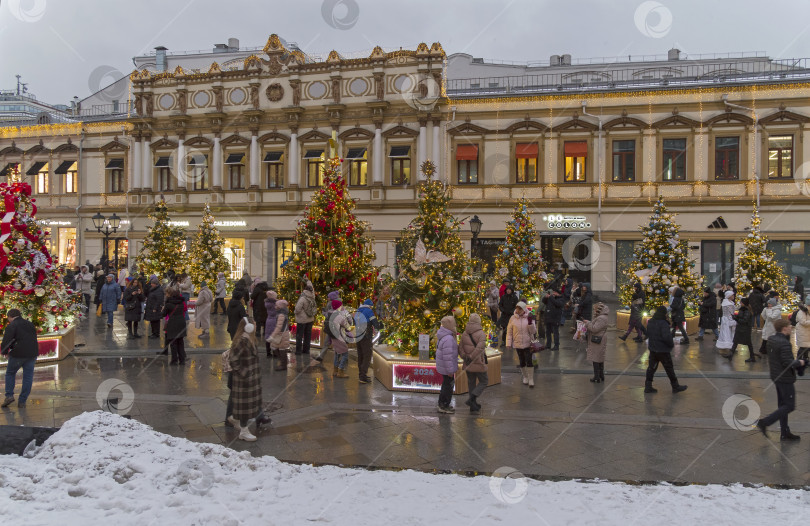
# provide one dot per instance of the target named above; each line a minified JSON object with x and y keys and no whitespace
{"x":64,"y":48}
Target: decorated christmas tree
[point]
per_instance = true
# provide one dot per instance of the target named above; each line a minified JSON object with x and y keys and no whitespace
{"x":207,"y":256}
{"x":661,"y":261}
{"x":30,"y":278}
{"x":756,"y":265}
{"x":333,"y":250}
{"x":518,"y":259}
{"x":164,"y":245}
{"x":435,"y":272}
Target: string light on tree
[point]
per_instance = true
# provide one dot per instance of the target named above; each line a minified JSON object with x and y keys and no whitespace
{"x":207,"y":254}
{"x":164,"y":245}
{"x":518,"y":259}
{"x":30,"y":279}
{"x":661,"y":261}
{"x":436,"y":274}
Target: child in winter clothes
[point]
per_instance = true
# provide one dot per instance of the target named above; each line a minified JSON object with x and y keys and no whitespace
{"x":339,"y":325}
{"x":447,"y":361}
{"x":279,"y":339}
{"x":270,"y":321}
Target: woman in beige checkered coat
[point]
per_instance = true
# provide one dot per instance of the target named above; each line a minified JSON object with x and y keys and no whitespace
{"x":246,"y":389}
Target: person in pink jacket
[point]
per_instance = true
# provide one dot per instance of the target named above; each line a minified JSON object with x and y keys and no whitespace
{"x":519,"y":334}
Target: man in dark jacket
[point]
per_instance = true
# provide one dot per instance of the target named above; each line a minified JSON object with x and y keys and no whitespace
{"x":678,"y":307}
{"x":783,"y":369}
{"x":21,"y":348}
{"x":585,"y":311}
{"x":636,"y":317}
{"x":708,"y":315}
{"x":660,"y":345}
{"x":259,"y":310}
{"x":366,"y":321}
{"x":742,"y":331}
{"x":554,"y":306}
{"x":236,"y":311}
{"x":756,"y":299}
{"x":506,"y":306}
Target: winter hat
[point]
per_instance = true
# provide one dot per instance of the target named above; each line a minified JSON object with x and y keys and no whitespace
{"x":111,"y":275}
{"x":449,"y":322}
{"x":369,"y":303}
{"x":336,"y":304}
{"x":521,"y":305}
{"x":474,"y":318}
{"x":729,"y":294}
{"x":281,"y":304}
{"x":492,"y":282}
{"x":772,"y":302}
{"x":707,"y":290}
{"x":309,"y":286}
{"x":271,"y":295}
{"x":13,"y":313}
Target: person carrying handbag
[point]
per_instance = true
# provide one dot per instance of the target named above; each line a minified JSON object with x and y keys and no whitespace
{"x":597,"y":342}
{"x":520,"y":332}
{"x":279,"y":339}
{"x":473,"y":351}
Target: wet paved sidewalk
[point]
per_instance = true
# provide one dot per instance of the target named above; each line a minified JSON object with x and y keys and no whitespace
{"x":566,"y":426}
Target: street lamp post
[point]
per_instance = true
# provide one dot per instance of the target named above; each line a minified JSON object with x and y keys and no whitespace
{"x":106,"y":226}
{"x":475,"y":228}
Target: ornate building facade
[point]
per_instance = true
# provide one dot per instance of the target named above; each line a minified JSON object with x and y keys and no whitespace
{"x":590,"y":146}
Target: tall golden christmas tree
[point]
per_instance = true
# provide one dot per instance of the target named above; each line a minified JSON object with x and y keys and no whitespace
{"x":207,"y":254}
{"x":756,"y":266}
{"x":435,"y":272}
{"x":164,"y":245}
{"x":518,"y":259}
{"x":333,"y":251}
{"x":660,"y":261}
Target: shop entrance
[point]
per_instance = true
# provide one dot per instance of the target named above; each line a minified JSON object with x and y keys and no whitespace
{"x":118,"y":252}
{"x":573,"y":254}
{"x":486,"y":250}
{"x":717,"y":262}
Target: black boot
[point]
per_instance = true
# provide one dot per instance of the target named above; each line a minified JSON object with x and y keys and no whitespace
{"x":678,"y":388}
{"x":602,"y":371}
{"x":595,"y":378}
{"x":787,"y":435}
{"x":623,"y":337}
{"x":282,"y":361}
{"x":648,"y":388}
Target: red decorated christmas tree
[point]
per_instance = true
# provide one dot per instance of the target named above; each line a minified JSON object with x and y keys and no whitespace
{"x":332,"y":249}
{"x":30,"y":279}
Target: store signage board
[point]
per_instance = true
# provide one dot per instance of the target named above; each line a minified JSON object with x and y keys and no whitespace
{"x":566,"y":222}
{"x":218,"y":224}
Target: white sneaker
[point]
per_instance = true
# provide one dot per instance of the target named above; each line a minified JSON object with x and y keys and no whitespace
{"x":531,"y":378}
{"x":525,"y":375}
{"x":234,"y":422}
{"x":246,"y":435}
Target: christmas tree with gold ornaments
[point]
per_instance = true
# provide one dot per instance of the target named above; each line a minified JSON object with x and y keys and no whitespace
{"x":757,"y":266}
{"x":207,"y":254}
{"x":164,"y":247}
{"x":661,"y":261}
{"x":435,"y":272}
{"x":30,"y":277}
{"x":518,"y":259}
{"x":333,"y":250}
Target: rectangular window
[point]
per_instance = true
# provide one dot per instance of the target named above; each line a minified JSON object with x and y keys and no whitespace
{"x":792,"y":256}
{"x":115,"y":176}
{"x":780,"y":157}
{"x":236,"y":164}
{"x":467,"y":163}
{"x":624,"y":158}
{"x":274,"y":169}
{"x":526,"y":162}
{"x":285,"y":249}
{"x":164,"y":179}
{"x":67,"y":246}
{"x":71,"y":182}
{"x":67,"y":169}
{"x":234,"y":252}
{"x":400,"y":165}
{"x":198,"y":171}
{"x":314,"y":159}
{"x":9,"y":171}
{"x":358,"y":166}
{"x":727,"y":158}
{"x":576,"y":157}
{"x":40,"y":172}
{"x":674,"y":160}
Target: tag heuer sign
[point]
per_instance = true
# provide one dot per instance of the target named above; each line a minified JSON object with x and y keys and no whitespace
{"x":561,"y":222}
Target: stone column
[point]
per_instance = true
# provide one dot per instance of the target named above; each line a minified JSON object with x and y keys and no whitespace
{"x":216,"y":163}
{"x":551,"y":173}
{"x":135,"y":170}
{"x":378,"y":158}
{"x":180,"y":169}
{"x":254,"y":161}
{"x":648,"y":160}
{"x":293,"y":173}
{"x":701,"y":155}
{"x":421,"y":147}
{"x":146,"y":165}
{"x":437,"y":146}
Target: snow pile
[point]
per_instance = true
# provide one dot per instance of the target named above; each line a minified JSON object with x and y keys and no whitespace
{"x":101,"y":469}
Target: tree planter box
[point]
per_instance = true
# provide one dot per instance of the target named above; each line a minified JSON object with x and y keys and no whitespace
{"x":315,"y":341}
{"x":400,"y":372}
{"x":53,"y":346}
{"x":623,"y":320}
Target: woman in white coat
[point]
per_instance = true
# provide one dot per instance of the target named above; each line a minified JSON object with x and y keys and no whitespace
{"x":727,"y":323}
{"x":771,"y":313}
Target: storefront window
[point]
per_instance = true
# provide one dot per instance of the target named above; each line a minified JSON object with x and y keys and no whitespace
{"x":624,"y":257}
{"x":118,"y":252}
{"x":793,"y":257}
{"x":284,"y":251}
{"x":235,"y":253}
{"x":67,"y":246}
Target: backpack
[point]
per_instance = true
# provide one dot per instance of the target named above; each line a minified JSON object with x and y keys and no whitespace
{"x":309,"y":307}
{"x":792,"y":318}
